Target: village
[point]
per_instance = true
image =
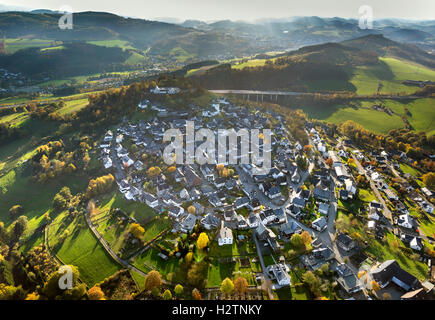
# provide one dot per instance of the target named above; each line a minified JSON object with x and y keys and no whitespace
{"x":336,"y":196}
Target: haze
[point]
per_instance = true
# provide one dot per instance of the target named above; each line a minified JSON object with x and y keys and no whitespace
{"x":248,"y":10}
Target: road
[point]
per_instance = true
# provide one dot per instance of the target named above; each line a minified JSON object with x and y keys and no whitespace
{"x":106,"y":246}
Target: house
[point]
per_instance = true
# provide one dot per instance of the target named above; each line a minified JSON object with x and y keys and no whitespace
{"x":175,"y":211}
{"x":341,"y":173}
{"x":225,"y":235}
{"x":266,"y":235}
{"x":279,"y":272}
{"x":241,"y":202}
{"x":391,"y":195}
{"x":241,"y":222}
{"x":210,"y":221}
{"x":192,"y":178}
{"x":323,"y":208}
{"x":321,"y":194}
{"x":188,"y":223}
{"x":345,"y":242}
{"x":289,"y":228}
{"x":305,"y":194}
{"x":347,"y":279}
{"x":416,"y":244}
{"x":280,"y":216}
{"x":138,"y":165}
{"x":274,"y":192}
{"x":214,"y":200}
{"x":427,"y":192}
{"x":296,"y":176}
{"x":178,"y":175}
{"x":350,"y":186}
{"x":374,"y":214}
{"x":298,"y":202}
{"x":318,"y":257}
{"x":107,"y":162}
{"x":390,"y":271}
{"x":229,"y":213}
{"x":405,"y":221}
{"x":267,"y":216}
{"x":108,"y":136}
{"x":343,"y":195}
{"x":184,"y":194}
{"x":150,"y":199}
{"x":254,"y":204}
{"x":319,"y":224}
{"x":253,"y":220}
{"x":219,"y":183}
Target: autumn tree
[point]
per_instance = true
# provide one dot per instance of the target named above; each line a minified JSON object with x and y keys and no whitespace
{"x":99,"y":185}
{"x":196,"y":294}
{"x":429,"y":180}
{"x":137,"y":230}
{"x":95,"y":293}
{"x":306,"y":238}
{"x":240,"y":285}
{"x":227,"y":286}
{"x":202,"y":241}
{"x":153,"y":280}
{"x":329,"y":162}
{"x":178,"y":290}
{"x":167,"y":295}
{"x":191,"y":209}
{"x":16,"y":210}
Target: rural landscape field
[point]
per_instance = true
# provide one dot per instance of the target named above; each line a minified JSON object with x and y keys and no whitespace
{"x":93,"y":207}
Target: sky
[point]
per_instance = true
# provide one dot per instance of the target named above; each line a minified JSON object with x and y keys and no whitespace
{"x":248,"y":10}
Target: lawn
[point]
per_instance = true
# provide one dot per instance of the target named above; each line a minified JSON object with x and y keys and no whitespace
{"x":390,"y":72}
{"x":73,"y":106}
{"x":366,"y":195}
{"x":139,"y":211}
{"x":408,"y":169}
{"x":15,"y":44}
{"x":81,"y":249}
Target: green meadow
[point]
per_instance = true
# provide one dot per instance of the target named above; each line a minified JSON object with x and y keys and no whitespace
{"x":390,"y":73}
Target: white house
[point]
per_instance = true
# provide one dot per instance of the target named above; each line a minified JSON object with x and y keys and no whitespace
{"x":225,"y":235}
{"x":405,"y":221}
{"x":350,"y":186}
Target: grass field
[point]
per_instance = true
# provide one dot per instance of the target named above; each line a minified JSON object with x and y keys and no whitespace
{"x":81,"y":249}
{"x":391,"y":72}
{"x":373,"y":120}
{"x":15,"y":44}
{"x":73,"y":106}
{"x":112,"y":43}
{"x":421,"y":117}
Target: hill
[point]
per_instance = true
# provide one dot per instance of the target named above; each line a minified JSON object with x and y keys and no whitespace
{"x":386,"y":47}
{"x":364,"y":66}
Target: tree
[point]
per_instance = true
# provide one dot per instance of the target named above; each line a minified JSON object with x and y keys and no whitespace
{"x":167,"y":295}
{"x":153,"y":280}
{"x":227,"y":286}
{"x":307,"y":148}
{"x":137,"y":230}
{"x":375,"y":285}
{"x":296,"y":240}
{"x":240,"y":285}
{"x":178,"y":289}
{"x":51,"y":289}
{"x":172,"y":169}
{"x":306,"y":238}
{"x":329,"y":162}
{"x":32,"y":296}
{"x":20,"y":225}
{"x":302,"y":163}
{"x":386,"y":296}
{"x":191,"y":209}
{"x":196,"y":294}
{"x":95,"y":293}
{"x":202,"y":241}
{"x":429,"y":180}
{"x":312,"y":281}
{"x":16,"y":210}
